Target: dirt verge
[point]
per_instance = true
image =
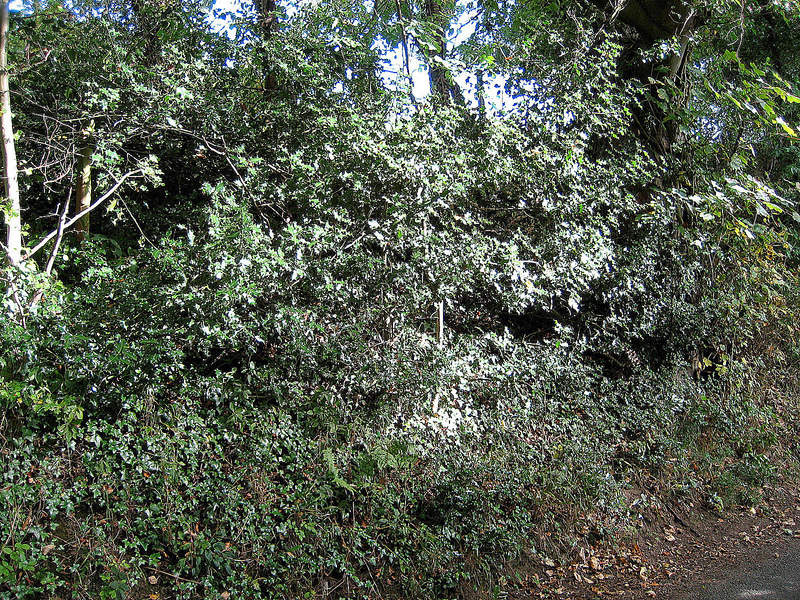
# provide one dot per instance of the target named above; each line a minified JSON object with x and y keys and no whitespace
{"x":677,"y":553}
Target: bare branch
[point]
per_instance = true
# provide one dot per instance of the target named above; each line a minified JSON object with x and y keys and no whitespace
{"x":62,"y":220}
{"x":54,"y":252}
{"x":78,"y":216}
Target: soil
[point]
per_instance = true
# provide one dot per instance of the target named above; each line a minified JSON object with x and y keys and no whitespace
{"x":679,"y":554}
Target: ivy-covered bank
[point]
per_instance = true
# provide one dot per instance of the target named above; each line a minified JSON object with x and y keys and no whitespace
{"x":324,"y":338}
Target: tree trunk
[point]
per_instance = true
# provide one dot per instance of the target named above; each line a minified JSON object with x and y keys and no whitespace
{"x":150,"y":21}
{"x":83,"y":197}
{"x":266,"y":16}
{"x":443,"y":88}
{"x":13,"y":215}
{"x":652,"y":19}
{"x":644,"y":22}
{"x":269,"y":25}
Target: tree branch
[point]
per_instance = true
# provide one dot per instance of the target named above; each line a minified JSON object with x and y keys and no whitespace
{"x":62,"y":220}
{"x":77,"y":217}
{"x":54,"y":252}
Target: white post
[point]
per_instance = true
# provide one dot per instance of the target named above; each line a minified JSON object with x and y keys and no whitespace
{"x":440,"y":323}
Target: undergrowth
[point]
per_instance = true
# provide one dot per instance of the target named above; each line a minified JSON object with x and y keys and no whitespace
{"x":190,"y":485}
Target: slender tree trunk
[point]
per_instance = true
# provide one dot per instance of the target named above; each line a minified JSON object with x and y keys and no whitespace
{"x":481,"y":95}
{"x":150,"y":22}
{"x":404,"y":39}
{"x":13,"y":214}
{"x":434,"y":13}
{"x":266,"y":15}
{"x":83,"y":197}
{"x":442,"y":86}
{"x":269,"y":25}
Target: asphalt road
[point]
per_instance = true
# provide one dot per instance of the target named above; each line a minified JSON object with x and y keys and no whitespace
{"x":777,"y":578}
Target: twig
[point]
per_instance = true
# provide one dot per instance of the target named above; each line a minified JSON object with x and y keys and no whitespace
{"x":20,"y":308}
{"x":242,"y":181}
{"x":135,"y":222}
{"x":679,"y":520}
{"x":170,"y":575}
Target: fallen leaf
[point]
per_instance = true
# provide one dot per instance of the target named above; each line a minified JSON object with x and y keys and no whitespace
{"x":48,"y":549}
{"x":152,"y":579}
{"x":651,"y":593}
{"x":594,"y":564}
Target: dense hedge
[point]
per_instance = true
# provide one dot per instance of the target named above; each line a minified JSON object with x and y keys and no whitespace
{"x":236,"y":385}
